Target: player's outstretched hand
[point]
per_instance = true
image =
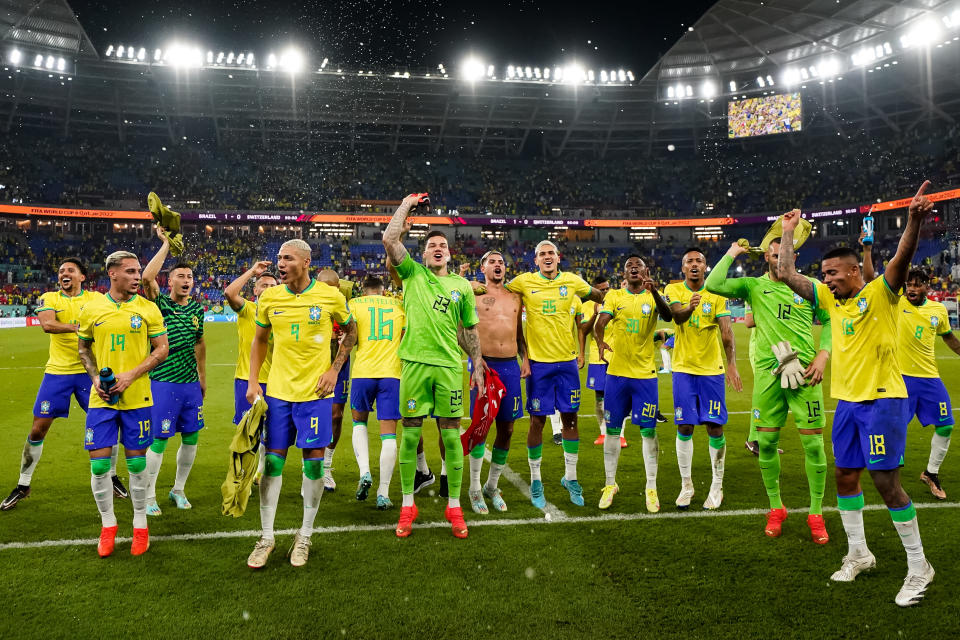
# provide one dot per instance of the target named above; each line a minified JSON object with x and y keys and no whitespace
{"x":327,"y":383}
{"x":814,"y":371}
{"x":160,"y":234}
{"x":791,"y":219}
{"x":921,"y":205}
{"x":410,"y":201}
{"x":479,"y":376}
{"x":253,"y":391}
{"x":124,"y":380}
{"x":733,"y":378}
{"x":649,"y":285}
{"x":602,"y":350}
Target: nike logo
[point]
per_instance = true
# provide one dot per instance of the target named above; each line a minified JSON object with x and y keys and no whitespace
{"x":276,"y":313}
{"x":872,"y":461}
{"x":767,"y":292}
{"x":907,"y":311}
{"x":312,"y":440}
{"x":97,"y":324}
{"x":620,"y":308}
{"x":533,"y":291}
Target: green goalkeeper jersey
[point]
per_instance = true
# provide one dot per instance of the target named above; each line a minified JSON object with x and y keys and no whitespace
{"x":778,"y":312}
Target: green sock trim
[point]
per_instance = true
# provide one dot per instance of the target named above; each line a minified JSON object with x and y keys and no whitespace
{"x":136,"y":464}
{"x":648,"y":432}
{"x":613,"y":431}
{"x":190,"y":438}
{"x":944,"y":431}
{"x":719,"y":442}
{"x":680,"y":436}
{"x":904,"y":514}
{"x":388,"y":436}
{"x":815,"y":465}
{"x":100,"y":466}
{"x":535,"y":452}
{"x":477,"y":451}
{"x":159,"y":445}
{"x":34,"y":443}
{"x":313,"y":468}
{"x":499,"y":456}
{"x":407,"y":457}
{"x":359,"y":424}
{"x":850,"y":503}
{"x":573,"y":446}
{"x":769,"y":462}
{"x":273,"y":464}
{"x":454,"y":460}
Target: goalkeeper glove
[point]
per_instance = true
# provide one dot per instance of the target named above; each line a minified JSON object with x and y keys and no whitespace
{"x":790,"y":369}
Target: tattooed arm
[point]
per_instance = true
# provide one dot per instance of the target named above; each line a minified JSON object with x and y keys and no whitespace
{"x":328,"y":381}
{"x":786,"y":264}
{"x":392,"y":235}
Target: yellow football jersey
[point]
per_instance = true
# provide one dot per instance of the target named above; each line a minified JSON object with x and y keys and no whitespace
{"x":246,"y":330}
{"x":551,"y":312}
{"x":121,"y":332}
{"x":64,"y":358}
{"x":380,"y":323}
{"x":633,"y":321}
{"x":589,"y":310}
{"x":697,"y":348}
{"x":917,"y":334}
{"x":864,"y":363}
{"x":302,"y":329}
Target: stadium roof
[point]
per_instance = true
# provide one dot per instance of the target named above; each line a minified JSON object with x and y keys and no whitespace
{"x":860,"y":64}
{"x":49,"y":25}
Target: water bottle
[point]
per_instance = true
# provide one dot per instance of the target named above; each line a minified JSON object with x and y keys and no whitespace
{"x":107,"y":380}
{"x":868,"y":229}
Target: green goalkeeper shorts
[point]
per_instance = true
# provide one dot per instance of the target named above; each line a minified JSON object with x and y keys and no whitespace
{"x":771,"y":403}
{"x":429,"y":390}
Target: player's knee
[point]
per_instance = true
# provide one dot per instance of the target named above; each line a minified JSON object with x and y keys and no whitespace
{"x":450,"y":439}
{"x":648,"y":432}
{"x":944,"y":431}
{"x":273,"y":464}
{"x":190,"y":438}
{"x":313,"y":468}
{"x":159,"y":445}
{"x":100,"y":466}
{"x":136,"y":464}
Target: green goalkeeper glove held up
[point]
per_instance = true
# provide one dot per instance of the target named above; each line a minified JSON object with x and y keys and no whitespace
{"x":168,"y":220}
{"x":790,"y":369}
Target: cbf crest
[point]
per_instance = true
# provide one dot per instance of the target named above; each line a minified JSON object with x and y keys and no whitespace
{"x":314,"y":314}
{"x":45,"y":407}
{"x":797,"y":299}
{"x":934,"y":321}
{"x":862,"y":305}
{"x":89,"y":436}
{"x":645,"y":309}
{"x":455,"y":295}
{"x":136,"y":322}
{"x":563,"y":291}
{"x":707,"y":307}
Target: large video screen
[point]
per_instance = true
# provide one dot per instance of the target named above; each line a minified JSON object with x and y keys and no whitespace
{"x":764,"y":116}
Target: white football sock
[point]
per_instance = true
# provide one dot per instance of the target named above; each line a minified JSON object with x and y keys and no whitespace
{"x":493,"y":476}
{"x":262,"y":460}
{"x":361,"y":447}
{"x":312,"y":492}
{"x":114,"y":454}
{"x":328,"y":461}
{"x":29,"y":460}
{"x":938,"y":451}
{"x":154,"y":461}
{"x":388,"y":459}
{"x":269,"y":496}
{"x":651,"y":455}
{"x":570,"y":465}
{"x":611,"y":458}
{"x":534,"y":468}
{"x":910,"y":537}
{"x":665,"y":358}
{"x":186,"y":454}
{"x":598,"y":411}
{"x":717,"y":463}
{"x":555,"y":423}
{"x":102,"y":487}
{"x":443,"y":466}
{"x":406,"y":500}
{"x":476,"y":466}
{"x":138,"y":497}
{"x":684,"y":457}
{"x":422,"y":466}
{"x":853,"y":526}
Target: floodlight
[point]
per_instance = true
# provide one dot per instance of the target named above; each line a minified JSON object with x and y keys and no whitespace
{"x":622,"y":75}
{"x":15,"y":57}
{"x":61,"y":64}
{"x":323,"y":65}
{"x":527,"y":72}
{"x":790,"y":77}
{"x":590,"y":75}
{"x":769,"y":81}
{"x":292,"y":61}
{"x":50,"y":62}
{"x":182,"y":56}
{"x":733,"y":85}
{"x":142,"y":54}
{"x":209,"y":57}
{"x":761,"y":82}
{"x":271,"y":61}
{"x":574,"y":74}
{"x":490,"y":71}
{"x":109,"y":51}
{"x":511,"y":71}
{"x":120,"y":51}
{"x":671,"y":92}
{"x":603,"y":76}
{"x":220,"y":58}
{"x":708,"y":90}
{"x":156,"y":55}
{"x":536,"y":72}
{"x":130,"y":53}
{"x":472,"y":69}
{"x":546,"y":72}
{"x":250,"y":59}
{"x":804,"y":74}
{"x":671,"y":147}
{"x":689,"y":91}
{"x":630,"y":76}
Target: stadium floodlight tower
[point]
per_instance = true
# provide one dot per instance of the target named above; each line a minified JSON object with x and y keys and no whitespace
{"x":473,"y":69}
{"x":292,"y":60}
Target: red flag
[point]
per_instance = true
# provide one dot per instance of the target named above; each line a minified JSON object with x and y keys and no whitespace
{"x":485,"y":411}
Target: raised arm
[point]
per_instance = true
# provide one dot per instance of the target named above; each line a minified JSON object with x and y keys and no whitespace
{"x":729,"y":347}
{"x":869,"y":274}
{"x":663,"y":309}
{"x":149,"y":282}
{"x":233,"y":292}
{"x":717,"y":280}
{"x":393,"y":234}
{"x":682,"y":314}
{"x":49,"y":324}
{"x":896,"y":272}
{"x":786,"y":264}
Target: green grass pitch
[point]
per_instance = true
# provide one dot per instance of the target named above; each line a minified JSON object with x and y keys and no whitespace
{"x":668,"y":575}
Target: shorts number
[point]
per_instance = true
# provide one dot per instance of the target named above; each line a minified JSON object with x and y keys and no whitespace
{"x":200,"y":414}
{"x":783,"y":311}
{"x":549,"y":307}
{"x":649,"y":410}
{"x":847,"y":327}
{"x":380,"y":328}
{"x":813,"y":411}
{"x":918,"y":334}
{"x":315,"y":424}
{"x":633,"y":325}
{"x":943,"y":410}
{"x":295,"y":331}
{"x":877,"y":446}
{"x":441,"y":304}
{"x":516,"y":404}
{"x":456,"y":398}
{"x":144,"y":428}
{"x":117,"y":341}
{"x":575,"y":397}
{"x":714,"y":408}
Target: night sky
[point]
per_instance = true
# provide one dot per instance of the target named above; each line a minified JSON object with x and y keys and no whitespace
{"x":416,"y":33}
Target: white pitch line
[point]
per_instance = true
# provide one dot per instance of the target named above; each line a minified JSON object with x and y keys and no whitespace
{"x":514,"y":478}
{"x":502,"y":522}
